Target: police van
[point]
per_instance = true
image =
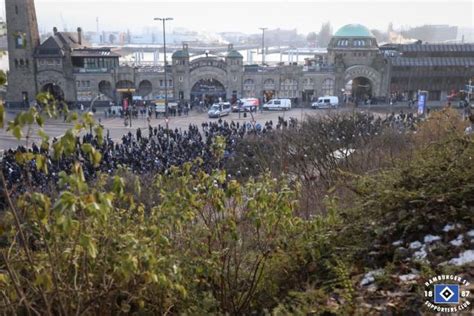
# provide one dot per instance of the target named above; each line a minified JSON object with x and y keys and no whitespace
{"x":327,"y":102}
{"x":219,"y":109}
{"x":278,"y":104}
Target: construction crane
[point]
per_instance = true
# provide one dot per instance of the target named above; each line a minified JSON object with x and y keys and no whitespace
{"x":63,"y":22}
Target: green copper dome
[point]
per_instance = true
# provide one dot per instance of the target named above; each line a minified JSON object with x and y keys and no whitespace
{"x":353,"y":30}
{"x":180,"y":54}
{"x":234,"y":54}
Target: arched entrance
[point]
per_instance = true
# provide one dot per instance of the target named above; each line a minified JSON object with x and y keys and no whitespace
{"x":208,"y":90}
{"x":361,"y":83}
{"x":268,"y":90}
{"x":54,"y":90}
{"x":126,"y":88}
{"x":359,"y":89}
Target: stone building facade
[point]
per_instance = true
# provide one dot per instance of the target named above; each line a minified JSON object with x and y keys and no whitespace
{"x":23,"y":38}
{"x":354,"y":68}
{"x":440,"y":69}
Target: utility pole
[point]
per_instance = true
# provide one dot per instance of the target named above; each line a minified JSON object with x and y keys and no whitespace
{"x":263,"y":44}
{"x":166,"y":78}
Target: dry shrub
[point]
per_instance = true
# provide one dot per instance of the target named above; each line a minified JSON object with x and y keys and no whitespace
{"x":381,"y":152}
{"x":441,"y":125}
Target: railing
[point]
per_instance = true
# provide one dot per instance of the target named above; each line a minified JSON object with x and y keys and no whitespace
{"x":91,"y":70}
{"x":261,"y":69}
{"x":151,"y":69}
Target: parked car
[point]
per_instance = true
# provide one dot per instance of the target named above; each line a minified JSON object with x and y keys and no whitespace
{"x":327,"y":102}
{"x":278,"y":104}
{"x":219,"y":109}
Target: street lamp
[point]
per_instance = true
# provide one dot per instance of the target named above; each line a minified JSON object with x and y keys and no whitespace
{"x":263,"y":44}
{"x":130,"y":109}
{"x":164,"y":48}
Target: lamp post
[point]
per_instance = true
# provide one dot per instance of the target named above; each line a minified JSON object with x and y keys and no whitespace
{"x":130,"y":109}
{"x":469,"y":92}
{"x":164,"y":48}
{"x":263,"y":44}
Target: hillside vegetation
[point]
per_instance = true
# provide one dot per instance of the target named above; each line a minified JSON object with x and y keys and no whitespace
{"x":296,"y":234}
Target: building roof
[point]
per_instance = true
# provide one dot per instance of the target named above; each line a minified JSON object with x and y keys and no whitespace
{"x":94,"y":52}
{"x":353,"y":30}
{"x":60,"y":42}
{"x":234,"y":54}
{"x":180,"y":54}
{"x":429,"y":48}
{"x":433,"y":61}
{"x":70,"y":39}
{"x":436,"y":48}
{"x":50,"y":48}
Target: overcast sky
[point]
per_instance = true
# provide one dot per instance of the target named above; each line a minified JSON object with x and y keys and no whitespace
{"x":247,"y":16}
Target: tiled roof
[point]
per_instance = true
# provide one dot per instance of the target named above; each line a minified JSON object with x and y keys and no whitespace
{"x":433,"y":61}
{"x":58,"y":43}
{"x":91,"y":52}
{"x":430,"y":48}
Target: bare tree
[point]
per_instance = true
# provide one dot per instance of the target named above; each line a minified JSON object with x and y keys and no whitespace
{"x":325,"y":34}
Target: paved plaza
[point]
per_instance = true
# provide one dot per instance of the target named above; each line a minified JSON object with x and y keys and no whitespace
{"x":117,"y":128}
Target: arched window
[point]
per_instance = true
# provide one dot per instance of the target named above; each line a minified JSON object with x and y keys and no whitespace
{"x":328,"y":87}
{"x":249,"y":84}
{"x":343,"y":42}
{"x":289,"y":88}
{"x":359,"y":43}
{"x":308,"y":83}
{"x":249,"y":88}
{"x":19,"y":41}
{"x":269,"y":84}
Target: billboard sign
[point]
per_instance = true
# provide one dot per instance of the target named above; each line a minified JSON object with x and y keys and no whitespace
{"x":422,"y":97}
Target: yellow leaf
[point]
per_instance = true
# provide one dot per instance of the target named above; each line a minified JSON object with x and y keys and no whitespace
{"x":3,"y":278}
{"x":17,"y":132}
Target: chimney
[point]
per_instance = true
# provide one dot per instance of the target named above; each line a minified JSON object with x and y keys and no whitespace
{"x":55,"y":30}
{"x":79,"y":36}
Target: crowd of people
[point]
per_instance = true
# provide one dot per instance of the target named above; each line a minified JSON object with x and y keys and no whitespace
{"x":144,"y":151}
{"x":157,"y":149}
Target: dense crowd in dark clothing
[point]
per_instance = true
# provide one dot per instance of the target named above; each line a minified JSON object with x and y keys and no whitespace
{"x":150,"y":151}
{"x":157,"y":149}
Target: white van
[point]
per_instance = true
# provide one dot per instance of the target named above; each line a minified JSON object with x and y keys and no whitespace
{"x":326,"y":103}
{"x":278,"y":104}
{"x":219,"y":109}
